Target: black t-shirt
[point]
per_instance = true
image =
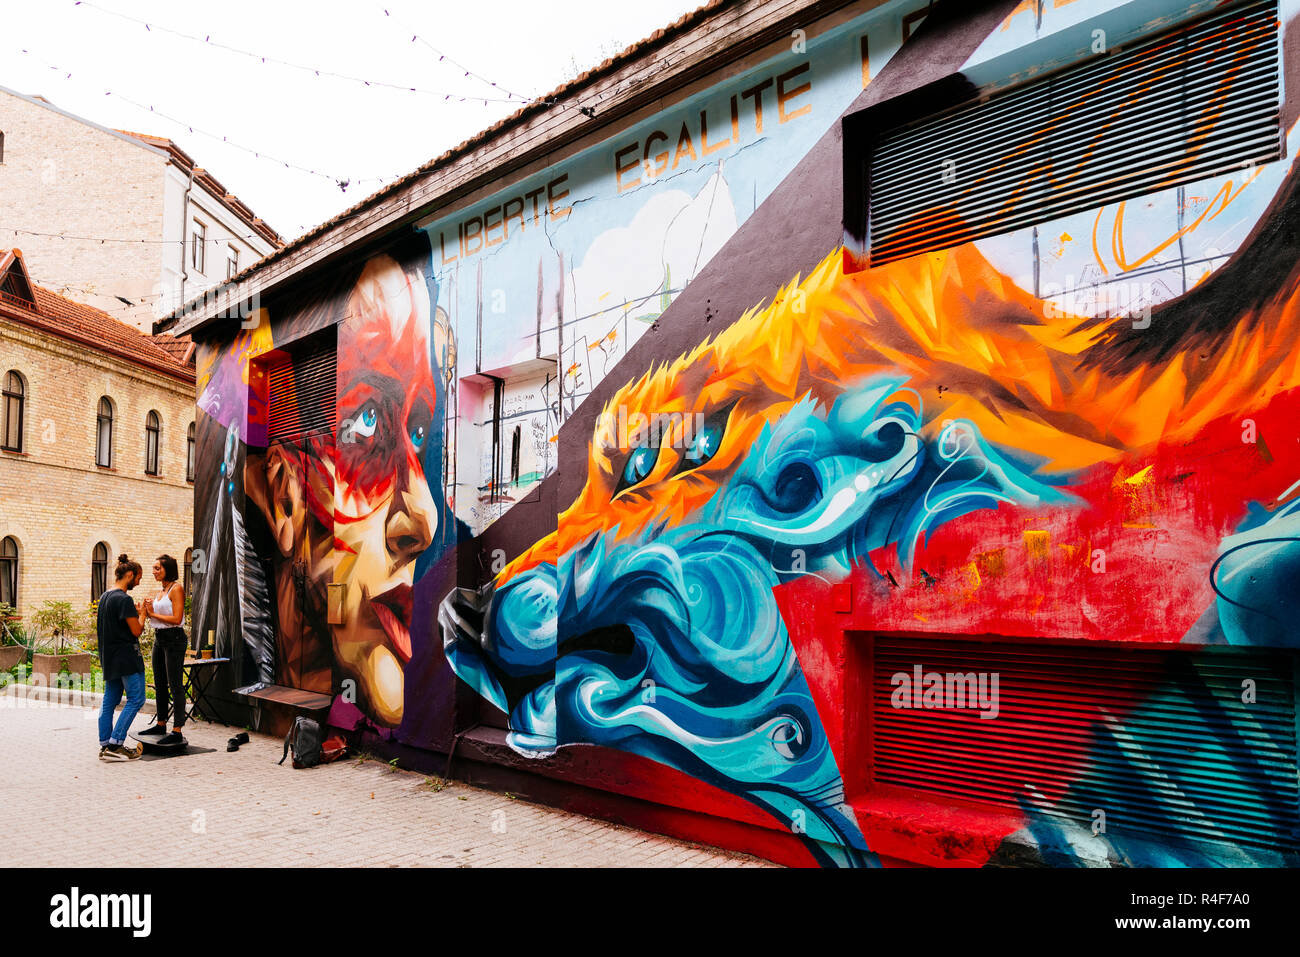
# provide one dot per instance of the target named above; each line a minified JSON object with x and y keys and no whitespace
{"x":119,"y":650}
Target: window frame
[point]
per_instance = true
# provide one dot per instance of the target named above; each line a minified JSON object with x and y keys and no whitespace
{"x":103,"y":419}
{"x":12,"y":399}
{"x":98,"y":571}
{"x":191,"y":449}
{"x":153,"y":443}
{"x":232,"y":261}
{"x":10,"y":566}
{"x":198,"y":246}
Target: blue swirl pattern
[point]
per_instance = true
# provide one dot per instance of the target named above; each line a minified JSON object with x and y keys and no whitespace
{"x":670,"y":644}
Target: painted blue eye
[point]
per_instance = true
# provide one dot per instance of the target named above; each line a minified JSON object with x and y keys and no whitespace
{"x":417,"y":437}
{"x":704,"y":445}
{"x":639,"y":466}
{"x":364,"y":425}
{"x":707,"y":440}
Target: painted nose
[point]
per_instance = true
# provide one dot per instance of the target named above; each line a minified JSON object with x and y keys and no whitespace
{"x":410,"y":525}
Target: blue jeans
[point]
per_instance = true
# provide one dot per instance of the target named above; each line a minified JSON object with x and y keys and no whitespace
{"x":134,"y":687}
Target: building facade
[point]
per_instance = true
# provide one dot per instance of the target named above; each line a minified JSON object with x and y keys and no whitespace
{"x":96,"y":445}
{"x":125,"y":222}
{"x":857,"y":433}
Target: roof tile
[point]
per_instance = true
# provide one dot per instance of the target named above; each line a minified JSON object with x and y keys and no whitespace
{"x":68,"y":319}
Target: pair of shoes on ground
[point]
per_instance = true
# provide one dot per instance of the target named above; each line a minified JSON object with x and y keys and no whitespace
{"x":159,"y":731}
{"x":119,"y":752}
{"x":234,"y":743}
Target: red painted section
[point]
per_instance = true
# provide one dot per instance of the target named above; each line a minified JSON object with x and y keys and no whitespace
{"x":1021,"y":572}
{"x":1016,"y":573}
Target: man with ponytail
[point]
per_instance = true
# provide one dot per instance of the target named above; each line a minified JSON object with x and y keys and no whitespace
{"x":119,"y":628}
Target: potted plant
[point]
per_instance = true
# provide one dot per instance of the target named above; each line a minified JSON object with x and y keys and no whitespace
{"x":64,"y":645}
{"x":14,"y":645}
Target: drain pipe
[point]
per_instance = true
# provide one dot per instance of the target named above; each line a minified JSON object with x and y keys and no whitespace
{"x":185,"y":221}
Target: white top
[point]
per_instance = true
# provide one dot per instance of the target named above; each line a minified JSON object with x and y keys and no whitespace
{"x":163,"y":606}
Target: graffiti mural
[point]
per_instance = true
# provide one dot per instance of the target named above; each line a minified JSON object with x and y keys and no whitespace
{"x":353,"y":505}
{"x":873,"y":420}
{"x":1080,"y":431}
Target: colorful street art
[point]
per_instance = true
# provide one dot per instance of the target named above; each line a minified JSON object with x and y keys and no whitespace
{"x":982,"y":440}
{"x":352,"y":505}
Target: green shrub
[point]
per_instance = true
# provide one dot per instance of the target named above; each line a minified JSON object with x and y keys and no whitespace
{"x":58,"y":621}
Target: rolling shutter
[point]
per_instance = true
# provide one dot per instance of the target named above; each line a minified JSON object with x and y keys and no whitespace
{"x":302,"y":389}
{"x":1196,"y":102}
{"x":1161,"y":740}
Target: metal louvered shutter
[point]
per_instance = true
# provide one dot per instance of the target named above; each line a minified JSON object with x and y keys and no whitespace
{"x":302,"y":389}
{"x":1161,"y":740}
{"x":1194,"y":102}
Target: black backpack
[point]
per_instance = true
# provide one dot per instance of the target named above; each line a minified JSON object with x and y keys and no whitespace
{"x":305,"y":739}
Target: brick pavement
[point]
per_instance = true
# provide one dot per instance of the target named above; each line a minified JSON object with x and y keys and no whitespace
{"x":214,"y":808}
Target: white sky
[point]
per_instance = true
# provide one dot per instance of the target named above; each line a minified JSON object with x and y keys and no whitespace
{"x":344,"y":129}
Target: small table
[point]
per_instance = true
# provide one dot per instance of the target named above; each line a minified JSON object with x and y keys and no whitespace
{"x":199,"y":673}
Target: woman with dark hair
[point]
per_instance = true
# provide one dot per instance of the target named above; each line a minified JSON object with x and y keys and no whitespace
{"x":167,"y":610}
{"x":118,"y":627}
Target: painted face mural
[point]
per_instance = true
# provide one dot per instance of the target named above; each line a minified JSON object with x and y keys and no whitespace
{"x":350,"y":505}
{"x":385,"y":515}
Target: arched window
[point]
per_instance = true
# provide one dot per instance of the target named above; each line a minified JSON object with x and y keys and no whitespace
{"x":186,"y":574}
{"x":152,"y":435}
{"x":104,"y":434}
{"x":98,"y":571}
{"x":9,"y":572}
{"x":189,"y":461}
{"x":14,"y":397}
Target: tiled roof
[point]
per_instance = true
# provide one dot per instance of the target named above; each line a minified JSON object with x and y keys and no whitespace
{"x":180,"y":348}
{"x":95,"y":328}
{"x":186,"y":163}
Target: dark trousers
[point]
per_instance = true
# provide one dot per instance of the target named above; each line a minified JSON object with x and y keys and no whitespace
{"x":169,"y":674}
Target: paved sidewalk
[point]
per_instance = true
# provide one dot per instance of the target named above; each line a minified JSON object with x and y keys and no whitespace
{"x":212,"y":808}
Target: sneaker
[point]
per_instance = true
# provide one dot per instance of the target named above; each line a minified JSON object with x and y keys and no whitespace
{"x":168,"y":740}
{"x":132,"y":752}
{"x":157,"y":730}
{"x":112,"y":752}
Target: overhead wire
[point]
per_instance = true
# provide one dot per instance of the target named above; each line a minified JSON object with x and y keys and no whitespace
{"x":322,"y":71}
{"x":342,"y":182}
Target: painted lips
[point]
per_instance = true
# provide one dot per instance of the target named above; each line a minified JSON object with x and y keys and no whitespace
{"x":393,"y":609}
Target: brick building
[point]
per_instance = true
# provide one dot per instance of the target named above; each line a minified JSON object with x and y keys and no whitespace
{"x":67,"y":183}
{"x":96,"y":444}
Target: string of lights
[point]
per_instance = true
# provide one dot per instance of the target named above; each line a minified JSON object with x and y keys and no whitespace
{"x":322,"y":71}
{"x":342,"y":182}
{"x":102,"y":240}
{"x":443,"y":57}
{"x":127,"y":306}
